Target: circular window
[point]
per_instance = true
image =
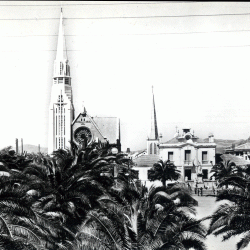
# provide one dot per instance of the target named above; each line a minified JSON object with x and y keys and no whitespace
{"x":188,"y":137}
{"x":83,"y":134}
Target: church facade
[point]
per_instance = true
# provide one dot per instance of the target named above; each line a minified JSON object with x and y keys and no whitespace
{"x":64,"y":128}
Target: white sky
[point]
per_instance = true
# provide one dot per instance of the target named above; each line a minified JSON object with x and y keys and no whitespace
{"x":195,"y":56}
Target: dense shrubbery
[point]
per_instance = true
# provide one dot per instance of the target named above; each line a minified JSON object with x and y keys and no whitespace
{"x":71,"y":200}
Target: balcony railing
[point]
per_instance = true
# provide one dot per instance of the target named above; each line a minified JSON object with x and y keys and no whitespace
{"x":188,"y":162}
{"x":204,"y":162}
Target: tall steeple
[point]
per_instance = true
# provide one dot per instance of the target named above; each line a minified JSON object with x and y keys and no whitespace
{"x":61,"y":111}
{"x":61,"y":67}
{"x":154,"y":128}
{"x":153,"y":140}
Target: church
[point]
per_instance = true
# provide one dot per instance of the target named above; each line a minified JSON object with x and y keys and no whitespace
{"x":64,"y":126}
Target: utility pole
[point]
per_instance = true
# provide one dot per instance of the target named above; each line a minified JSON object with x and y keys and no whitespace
{"x":16,"y":146}
{"x":22,"y":145}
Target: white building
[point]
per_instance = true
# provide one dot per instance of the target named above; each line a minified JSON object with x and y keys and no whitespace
{"x":190,"y":154}
{"x":61,"y":110}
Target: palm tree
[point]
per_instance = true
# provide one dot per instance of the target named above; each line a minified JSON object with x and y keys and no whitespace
{"x":232,"y":217}
{"x":163,"y":171}
{"x":9,"y":158}
{"x":223,"y":169}
{"x":69,"y":184}
{"x":19,"y":229}
{"x":135,"y":218}
{"x":58,"y":190}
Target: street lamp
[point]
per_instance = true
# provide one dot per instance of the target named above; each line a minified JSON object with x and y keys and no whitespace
{"x":114,"y":151}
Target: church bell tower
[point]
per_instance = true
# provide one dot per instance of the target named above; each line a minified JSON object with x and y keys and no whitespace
{"x":153,"y":140}
{"x":61,"y":110}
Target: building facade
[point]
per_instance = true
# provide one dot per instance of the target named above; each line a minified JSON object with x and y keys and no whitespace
{"x":87,"y":129}
{"x":194,"y":157}
{"x":63,"y":128}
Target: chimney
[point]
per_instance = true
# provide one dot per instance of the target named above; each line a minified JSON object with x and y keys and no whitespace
{"x":211,"y":138}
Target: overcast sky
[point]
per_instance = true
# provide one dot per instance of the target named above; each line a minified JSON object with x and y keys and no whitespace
{"x":196,"y":55}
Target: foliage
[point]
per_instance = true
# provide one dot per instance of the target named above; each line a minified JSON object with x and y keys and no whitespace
{"x":232,"y":217}
{"x":163,"y":171}
{"x":137,"y":218}
{"x":88,"y":198}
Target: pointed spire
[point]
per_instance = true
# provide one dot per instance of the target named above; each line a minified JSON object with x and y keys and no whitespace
{"x":84,"y":108}
{"x":61,"y":45}
{"x":154,"y":128}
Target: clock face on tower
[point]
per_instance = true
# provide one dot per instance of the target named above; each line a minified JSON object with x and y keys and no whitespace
{"x":82,"y":134}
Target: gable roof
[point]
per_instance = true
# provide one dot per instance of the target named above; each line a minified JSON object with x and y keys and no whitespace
{"x":243,"y":146}
{"x":237,"y":160}
{"x":146,"y":160}
{"x":109,"y":126}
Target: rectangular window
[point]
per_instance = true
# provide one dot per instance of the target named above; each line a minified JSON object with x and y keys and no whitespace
{"x":64,"y":125}
{"x":56,"y":124}
{"x":204,"y":157}
{"x":155,"y":149}
{"x":187,"y":174}
{"x":187,"y":156}
{"x":171,"y":156}
{"x":61,"y":68}
{"x":136,"y":174}
{"x":205,"y":173}
{"x":60,"y":80}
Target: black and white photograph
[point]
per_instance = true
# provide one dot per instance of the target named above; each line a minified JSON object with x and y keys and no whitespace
{"x":125,"y":125}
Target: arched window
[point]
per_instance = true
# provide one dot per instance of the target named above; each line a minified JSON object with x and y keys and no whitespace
{"x":155,"y":149}
{"x":151,"y":148}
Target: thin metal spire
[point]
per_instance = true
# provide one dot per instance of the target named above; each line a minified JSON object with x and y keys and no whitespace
{"x":154,"y":129}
